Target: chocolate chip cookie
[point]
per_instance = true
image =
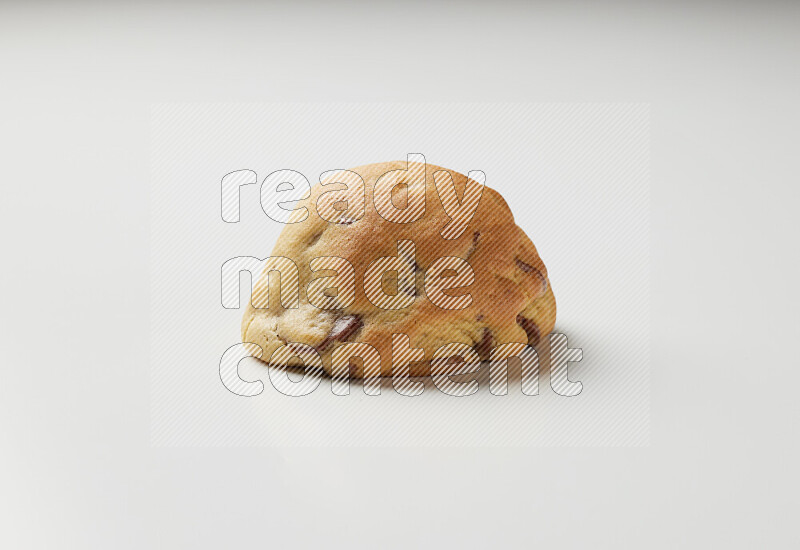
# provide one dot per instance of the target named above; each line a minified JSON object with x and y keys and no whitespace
{"x":382,"y":250}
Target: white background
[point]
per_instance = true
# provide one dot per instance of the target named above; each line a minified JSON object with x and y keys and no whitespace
{"x":78,"y":470}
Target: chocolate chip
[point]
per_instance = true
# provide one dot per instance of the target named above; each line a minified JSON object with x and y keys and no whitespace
{"x":346,"y":326}
{"x":484,"y":347}
{"x":343,"y":328}
{"x":531,"y":329}
{"x":527,"y":268}
{"x":404,"y":286}
{"x":417,"y":270}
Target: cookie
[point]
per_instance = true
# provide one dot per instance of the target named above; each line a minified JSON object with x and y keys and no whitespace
{"x":410,"y":266}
